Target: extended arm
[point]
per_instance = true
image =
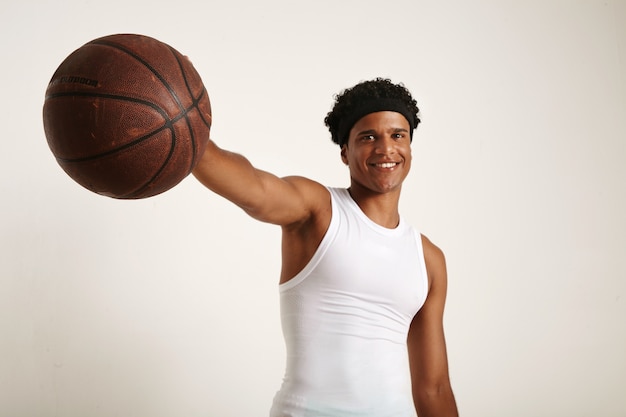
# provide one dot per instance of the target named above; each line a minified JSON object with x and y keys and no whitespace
{"x":262,"y":195}
{"x":432,"y":392}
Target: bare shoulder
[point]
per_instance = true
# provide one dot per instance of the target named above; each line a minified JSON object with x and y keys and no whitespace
{"x":313,"y":195}
{"x":302,"y":236}
{"x":312,"y":192}
{"x":306,"y":185}
{"x":435,"y":261}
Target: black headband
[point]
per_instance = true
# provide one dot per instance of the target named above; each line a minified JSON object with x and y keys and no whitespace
{"x":372,"y":106}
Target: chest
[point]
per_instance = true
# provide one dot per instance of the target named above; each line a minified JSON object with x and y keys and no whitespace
{"x":385,"y":271}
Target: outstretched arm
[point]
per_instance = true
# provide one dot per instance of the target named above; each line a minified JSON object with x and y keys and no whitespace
{"x":262,"y":195}
{"x":432,"y":392}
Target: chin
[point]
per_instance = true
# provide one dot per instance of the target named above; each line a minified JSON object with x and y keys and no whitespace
{"x":388,"y":188}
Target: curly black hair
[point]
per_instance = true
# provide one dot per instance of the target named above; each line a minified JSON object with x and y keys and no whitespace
{"x":350,"y":99}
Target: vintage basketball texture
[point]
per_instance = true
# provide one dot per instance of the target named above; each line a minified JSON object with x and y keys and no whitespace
{"x":127,"y":116}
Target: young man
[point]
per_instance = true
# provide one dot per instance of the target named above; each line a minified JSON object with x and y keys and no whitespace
{"x":362,"y":293}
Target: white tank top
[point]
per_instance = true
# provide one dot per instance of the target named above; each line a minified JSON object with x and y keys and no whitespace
{"x":345,"y":320}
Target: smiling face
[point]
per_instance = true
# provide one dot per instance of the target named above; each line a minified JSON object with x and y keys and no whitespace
{"x":378,"y":152}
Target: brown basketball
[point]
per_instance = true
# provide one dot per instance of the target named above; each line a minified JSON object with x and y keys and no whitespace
{"x":127,"y":116}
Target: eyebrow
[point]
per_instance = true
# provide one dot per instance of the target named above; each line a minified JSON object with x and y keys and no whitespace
{"x":371,"y":131}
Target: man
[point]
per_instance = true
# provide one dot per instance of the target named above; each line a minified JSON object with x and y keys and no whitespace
{"x":362,"y":293}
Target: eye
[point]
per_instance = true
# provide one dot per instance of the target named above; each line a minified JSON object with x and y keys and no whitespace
{"x":368,"y":138}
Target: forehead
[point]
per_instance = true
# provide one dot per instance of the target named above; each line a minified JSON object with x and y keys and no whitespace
{"x":381,"y":120}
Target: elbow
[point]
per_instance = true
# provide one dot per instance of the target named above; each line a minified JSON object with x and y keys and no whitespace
{"x":435,"y":400}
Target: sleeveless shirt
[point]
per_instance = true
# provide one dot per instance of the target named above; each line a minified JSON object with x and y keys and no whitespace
{"x":345,"y":318}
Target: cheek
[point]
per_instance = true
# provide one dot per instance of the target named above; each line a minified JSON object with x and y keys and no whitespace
{"x":350,"y":157}
{"x":408,"y":159}
{"x":408,"y":155}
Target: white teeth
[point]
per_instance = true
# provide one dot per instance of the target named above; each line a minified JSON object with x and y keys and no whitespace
{"x":387,"y":165}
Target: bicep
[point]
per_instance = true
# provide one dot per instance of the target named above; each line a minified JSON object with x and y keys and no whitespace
{"x":261,"y":194}
{"x":288,"y":200}
{"x":426,"y":340}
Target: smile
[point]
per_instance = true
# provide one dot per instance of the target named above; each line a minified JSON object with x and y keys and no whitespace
{"x":386,"y":165}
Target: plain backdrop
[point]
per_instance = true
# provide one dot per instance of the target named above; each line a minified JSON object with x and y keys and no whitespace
{"x":168,"y":306}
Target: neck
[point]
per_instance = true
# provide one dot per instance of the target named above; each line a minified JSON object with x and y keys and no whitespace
{"x":381,"y":208}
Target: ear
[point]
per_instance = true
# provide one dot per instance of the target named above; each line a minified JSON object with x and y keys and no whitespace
{"x":344,"y":152}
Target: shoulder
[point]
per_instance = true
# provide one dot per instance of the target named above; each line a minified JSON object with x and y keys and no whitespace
{"x":435,"y":261}
{"x":315,"y":196}
{"x":301,"y":238}
{"x":304,"y":183}
{"x":310,"y":191}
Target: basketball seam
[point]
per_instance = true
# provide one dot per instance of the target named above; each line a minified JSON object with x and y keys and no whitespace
{"x":193,"y":104}
{"x":176,"y":98}
{"x":166,"y":85}
{"x":168,"y":123}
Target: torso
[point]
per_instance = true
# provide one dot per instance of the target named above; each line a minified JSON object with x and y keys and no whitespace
{"x":300,"y":241}
{"x":345,"y":317}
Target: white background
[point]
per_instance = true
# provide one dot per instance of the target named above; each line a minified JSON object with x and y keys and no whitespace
{"x":168,"y":306}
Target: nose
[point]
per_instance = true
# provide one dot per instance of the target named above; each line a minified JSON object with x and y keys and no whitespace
{"x":385,"y":145}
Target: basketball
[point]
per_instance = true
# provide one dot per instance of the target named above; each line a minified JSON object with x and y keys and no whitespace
{"x":127,"y":116}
